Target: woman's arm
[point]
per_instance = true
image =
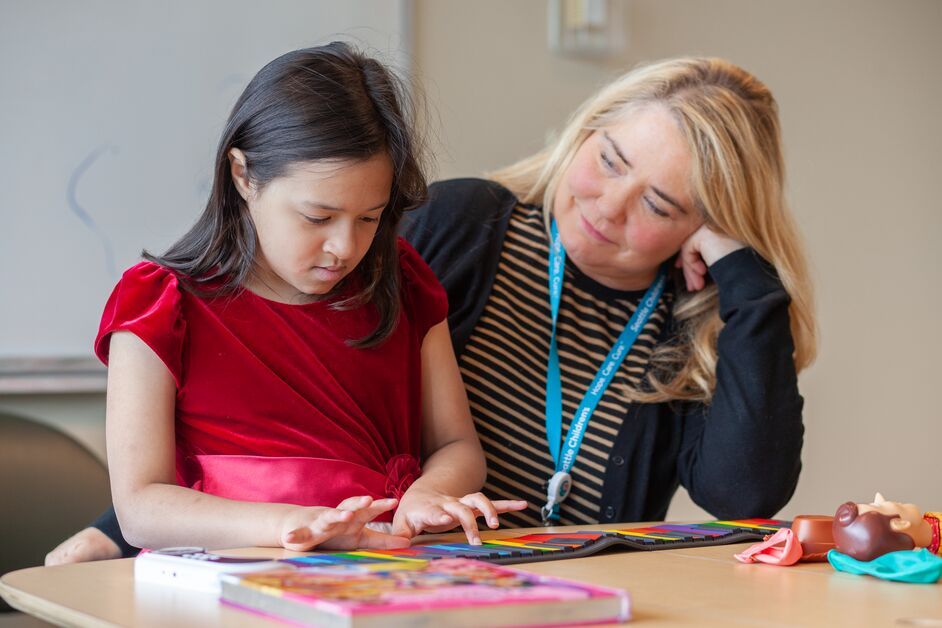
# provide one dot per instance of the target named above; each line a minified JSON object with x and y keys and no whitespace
{"x":741,"y":453}
{"x":459,"y":232}
{"x":454,"y":461}
{"x":155,"y":512}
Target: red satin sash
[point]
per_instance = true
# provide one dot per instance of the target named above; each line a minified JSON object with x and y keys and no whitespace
{"x":298,"y":480}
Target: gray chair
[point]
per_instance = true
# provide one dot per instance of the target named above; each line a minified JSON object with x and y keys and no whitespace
{"x":50,"y":487}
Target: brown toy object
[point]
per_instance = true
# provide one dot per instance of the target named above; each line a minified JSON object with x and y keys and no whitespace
{"x":816,"y":536}
{"x":869,"y":534}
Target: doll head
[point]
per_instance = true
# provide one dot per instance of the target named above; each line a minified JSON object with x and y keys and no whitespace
{"x":907,"y":518}
{"x":867,"y":535}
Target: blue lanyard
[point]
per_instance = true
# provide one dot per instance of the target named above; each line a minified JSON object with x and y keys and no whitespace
{"x":605,"y":374}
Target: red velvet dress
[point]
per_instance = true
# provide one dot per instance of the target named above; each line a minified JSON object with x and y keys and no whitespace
{"x":271,"y":404}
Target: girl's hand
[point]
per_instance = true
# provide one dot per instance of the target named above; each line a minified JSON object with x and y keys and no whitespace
{"x":424,"y":510}
{"x":89,"y":544}
{"x":700,"y":251}
{"x":342,"y":527}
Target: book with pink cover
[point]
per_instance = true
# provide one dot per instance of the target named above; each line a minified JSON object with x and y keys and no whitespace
{"x":452,"y":592}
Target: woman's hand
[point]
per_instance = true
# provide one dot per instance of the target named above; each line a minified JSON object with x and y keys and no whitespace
{"x":424,"y":510}
{"x":343,"y":527}
{"x":700,"y":251}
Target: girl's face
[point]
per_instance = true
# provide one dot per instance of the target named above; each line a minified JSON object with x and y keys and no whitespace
{"x":623,"y":205}
{"x":314,"y":224}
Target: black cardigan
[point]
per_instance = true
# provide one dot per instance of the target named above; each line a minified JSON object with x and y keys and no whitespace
{"x":739,"y":456}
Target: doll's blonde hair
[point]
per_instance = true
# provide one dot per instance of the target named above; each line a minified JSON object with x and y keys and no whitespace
{"x":730,"y":122}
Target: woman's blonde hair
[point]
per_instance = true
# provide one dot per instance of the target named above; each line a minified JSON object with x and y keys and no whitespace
{"x":730,"y":122}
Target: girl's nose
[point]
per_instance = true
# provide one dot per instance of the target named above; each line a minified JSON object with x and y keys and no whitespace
{"x":341,"y":243}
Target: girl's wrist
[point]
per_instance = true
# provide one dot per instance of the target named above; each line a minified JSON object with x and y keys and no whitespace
{"x":295,"y":517}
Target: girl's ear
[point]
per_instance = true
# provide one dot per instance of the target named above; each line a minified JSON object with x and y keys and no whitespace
{"x":240,"y":174}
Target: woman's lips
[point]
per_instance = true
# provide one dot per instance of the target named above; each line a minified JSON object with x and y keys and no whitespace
{"x":594,"y":233}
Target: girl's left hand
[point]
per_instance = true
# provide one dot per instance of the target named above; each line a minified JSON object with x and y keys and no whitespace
{"x":700,"y":251}
{"x":424,"y":510}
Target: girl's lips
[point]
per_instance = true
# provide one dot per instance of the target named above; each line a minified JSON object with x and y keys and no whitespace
{"x":592,"y":231}
{"x":329,"y":273}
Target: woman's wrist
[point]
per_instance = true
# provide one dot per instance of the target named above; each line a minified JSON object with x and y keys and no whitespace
{"x":716,"y":248}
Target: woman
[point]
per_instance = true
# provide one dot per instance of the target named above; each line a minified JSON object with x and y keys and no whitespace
{"x":675,"y":166}
{"x":678,"y":165}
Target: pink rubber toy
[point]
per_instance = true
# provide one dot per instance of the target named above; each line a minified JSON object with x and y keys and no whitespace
{"x":782,"y":548}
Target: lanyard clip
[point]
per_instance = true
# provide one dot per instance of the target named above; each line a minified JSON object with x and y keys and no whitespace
{"x":548,"y":514}
{"x":557,"y":490}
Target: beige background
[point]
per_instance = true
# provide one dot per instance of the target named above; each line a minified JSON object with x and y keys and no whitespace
{"x":860,"y":86}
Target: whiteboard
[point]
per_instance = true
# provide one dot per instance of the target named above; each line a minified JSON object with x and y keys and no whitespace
{"x":110,"y":112}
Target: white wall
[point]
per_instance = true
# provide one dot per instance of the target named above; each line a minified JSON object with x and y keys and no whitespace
{"x":860,"y":86}
{"x":110,"y":113}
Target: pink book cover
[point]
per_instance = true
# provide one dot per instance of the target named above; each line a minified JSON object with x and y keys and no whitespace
{"x":458,"y":592}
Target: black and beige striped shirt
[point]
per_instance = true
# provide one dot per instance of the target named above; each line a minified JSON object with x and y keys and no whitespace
{"x":504,"y":370}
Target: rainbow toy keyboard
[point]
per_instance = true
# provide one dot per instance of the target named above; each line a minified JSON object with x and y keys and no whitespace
{"x":560,"y":545}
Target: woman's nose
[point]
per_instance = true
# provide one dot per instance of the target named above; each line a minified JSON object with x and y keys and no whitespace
{"x":616,"y":202}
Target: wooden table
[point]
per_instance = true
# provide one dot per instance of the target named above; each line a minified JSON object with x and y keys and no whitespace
{"x":701,"y":586}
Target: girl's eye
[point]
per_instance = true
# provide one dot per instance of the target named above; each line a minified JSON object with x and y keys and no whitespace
{"x":369,"y":219}
{"x":654,"y":208}
{"x":316,"y":221}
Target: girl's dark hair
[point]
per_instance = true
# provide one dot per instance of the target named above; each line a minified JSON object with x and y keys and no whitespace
{"x":329,"y":102}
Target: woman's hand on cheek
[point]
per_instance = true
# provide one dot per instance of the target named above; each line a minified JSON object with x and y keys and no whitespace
{"x":700,"y":251}
{"x":342,"y":527}
{"x":424,"y":510}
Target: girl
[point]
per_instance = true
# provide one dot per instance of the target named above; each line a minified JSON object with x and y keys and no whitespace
{"x":276,"y":377}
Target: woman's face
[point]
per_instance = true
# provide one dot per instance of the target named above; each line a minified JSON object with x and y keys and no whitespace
{"x":315,"y":224}
{"x":623,"y":205}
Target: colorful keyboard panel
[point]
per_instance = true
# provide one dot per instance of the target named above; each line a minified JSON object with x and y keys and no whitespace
{"x":561,"y":545}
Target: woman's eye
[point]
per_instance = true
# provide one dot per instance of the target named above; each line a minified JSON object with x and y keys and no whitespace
{"x":609,"y":164}
{"x":315,"y":220}
{"x":369,"y":219}
{"x":654,"y":208}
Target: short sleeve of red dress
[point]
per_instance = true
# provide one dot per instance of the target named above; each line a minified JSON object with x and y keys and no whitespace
{"x":146,"y":302}
{"x":423,"y":298}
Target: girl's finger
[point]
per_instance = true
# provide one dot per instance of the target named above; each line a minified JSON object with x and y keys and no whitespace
{"x":327,"y":525}
{"x":401,"y":526}
{"x":372,"y":539}
{"x":483,"y":507}
{"x":509,"y":505}
{"x":324,"y":527}
{"x":298,"y":540}
{"x":330,"y":518}
{"x":375,"y":509}
{"x":355,"y":503}
{"x":466,"y":518}
{"x":431,"y":517}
